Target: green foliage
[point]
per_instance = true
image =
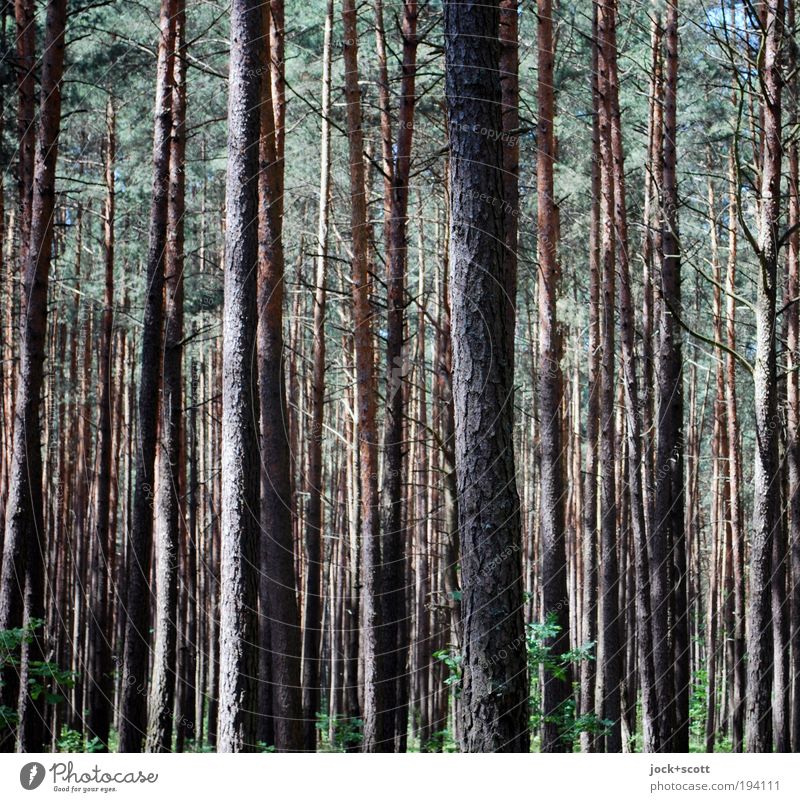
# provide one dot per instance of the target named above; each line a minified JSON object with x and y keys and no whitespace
{"x":339,"y":733}
{"x":45,"y":678}
{"x":72,"y":741}
{"x":541,"y":658}
{"x":441,"y":741}
{"x":452,"y":661}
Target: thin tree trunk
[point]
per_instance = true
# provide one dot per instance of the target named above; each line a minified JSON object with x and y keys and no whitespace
{"x":588,"y":675}
{"x":670,"y":635}
{"x":377,"y":728}
{"x":610,"y":654}
{"x":766,"y":489}
{"x":133,"y":713}
{"x":557,"y":690}
{"x":633,"y":408}
{"x":23,"y":546}
{"x":171,"y":480}
{"x":312,"y":614}
{"x":100,"y":691}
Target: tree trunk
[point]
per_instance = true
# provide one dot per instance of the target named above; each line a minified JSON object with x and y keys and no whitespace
{"x":495,"y":692}
{"x":23,"y":545}
{"x":100,"y":692}
{"x":670,"y":634}
{"x":767,"y":426}
{"x":377,"y":726}
{"x":312,"y":614}
{"x":610,"y":654}
{"x":240,"y":462}
{"x":133,"y":713}
{"x":633,"y":406}
{"x":557,"y":690}
{"x":171,"y":480}
{"x":278,"y":595}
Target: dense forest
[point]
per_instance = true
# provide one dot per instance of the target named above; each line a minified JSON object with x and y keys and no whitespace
{"x":399,"y":376}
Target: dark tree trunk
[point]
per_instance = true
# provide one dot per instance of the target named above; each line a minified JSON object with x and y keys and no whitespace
{"x":240,"y":462}
{"x":278,"y":595}
{"x":609,"y":654}
{"x":670,"y":624}
{"x":22,"y":583}
{"x":394,"y":534}
{"x":170,"y":481}
{"x":133,"y":712}
{"x":767,"y":426}
{"x":377,"y":726}
{"x":557,"y":690}
{"x":495,"y":692}
{"x":99,"y":687}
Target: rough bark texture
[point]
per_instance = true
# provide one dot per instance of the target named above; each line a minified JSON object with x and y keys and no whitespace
{"x":278,"y":595}
{"x":552,"y":521}
{"x":170,"y":480}
{"x":767,"y":425}
{"x":240,"y":463}
{"x":670,"y":630}
{"x":793,"y":402}
{"x":495,"y":692}
{"x":22,"y":583}
{"x":378,"y":735}
{"x":100,"y":690}
{"x":393,"y":528}
{"x":133,"y":712}
{"x":609,"y":653}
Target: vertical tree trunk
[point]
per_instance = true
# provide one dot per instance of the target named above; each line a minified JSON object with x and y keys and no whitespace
{"x":377,"y":728}
{"x":240,"y":462}
{"x":23,"y":546}
{"x":312,"y":614}
{"x":670,"y":635}
{"x":171,"y":480}
{"x":394,"y":535}
{"x":610,"y":654}
{"x":633,"y":406}
{"x":766,"y":489}
{"x":588,"y":675}
{"x":735,"y":474}
{"x":494,"y":693}
{"x":793,"y":401}
{"x":133,"y":713}
{"x":278,"y":595}
{"x":99,"y":688}
{"x":555,"y":603}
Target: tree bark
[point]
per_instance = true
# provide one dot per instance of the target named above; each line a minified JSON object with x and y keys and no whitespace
{"x":239,"y":467}
{"x":171,"y":479}
{"x":100,"y":690}
{"x":378,"y":735}
{"x":133,"y":713}
{"x":767,"y":426}
{"x":22,"y":583}
{"x":495,"y":692}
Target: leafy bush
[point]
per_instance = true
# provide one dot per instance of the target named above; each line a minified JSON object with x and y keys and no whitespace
{"x":340,"y":733}
{"x":45,"y":678}
{"x":72,"y":741}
